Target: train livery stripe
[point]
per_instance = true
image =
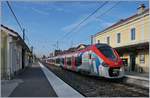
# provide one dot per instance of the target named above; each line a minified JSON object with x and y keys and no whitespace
{"x":109,"y":62}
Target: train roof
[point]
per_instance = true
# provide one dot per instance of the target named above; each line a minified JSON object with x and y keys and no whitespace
{"x":80,"y":48}
{"x":101,"y":45}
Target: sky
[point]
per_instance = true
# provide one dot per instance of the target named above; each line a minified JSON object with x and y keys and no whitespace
{"x":47,"y":22}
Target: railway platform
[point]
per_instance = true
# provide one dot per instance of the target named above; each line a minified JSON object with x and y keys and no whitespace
{"x":37,"y":81}
{"x":140,"y":79}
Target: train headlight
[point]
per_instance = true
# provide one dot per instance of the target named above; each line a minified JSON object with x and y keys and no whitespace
{"x":104,"y":64}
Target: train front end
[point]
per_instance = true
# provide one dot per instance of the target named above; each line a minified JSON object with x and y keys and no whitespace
{"x":111,"y":64}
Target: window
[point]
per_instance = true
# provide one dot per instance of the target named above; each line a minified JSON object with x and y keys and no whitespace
{"x":108,"y":40}
{"x":118,"y":37}
{"x":78,"y":61}
{"x":133,"y":34}
{"x":53,"y":60}
{"x":69,"y":61}
{"x":57,"y":61}
{"x":107,"y":51}
{"x":142,"y":58}
{"x":62,"y":60}
{"x":98,"y":41}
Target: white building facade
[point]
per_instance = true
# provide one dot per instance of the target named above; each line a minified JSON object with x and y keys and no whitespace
{"x":13,"y":60}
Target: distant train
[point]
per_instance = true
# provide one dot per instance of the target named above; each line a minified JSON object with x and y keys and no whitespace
{"x":98,"y":60}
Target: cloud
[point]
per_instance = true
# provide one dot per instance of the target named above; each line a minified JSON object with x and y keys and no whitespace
{"x":59,"y":9}
{"x":43,"y":8}
{"x":40,"y":11}
{"x":64,"y":6}
{"x":89,"y":21}
{"x":75,"y":3}
{"x":75,"y":24}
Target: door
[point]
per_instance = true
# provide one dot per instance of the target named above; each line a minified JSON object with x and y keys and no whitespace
{"x":23,"y":58}
{"x":95,"y":64}
{"x":73,"y":63}
{"x":12,"y":58}
{"x":132,"y":62}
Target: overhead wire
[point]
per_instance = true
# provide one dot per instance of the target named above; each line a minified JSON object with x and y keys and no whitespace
{"x":108,"y":10}
{"x":85,"y":19}
{"x":14,"y":15}
{"x":18,"y":22}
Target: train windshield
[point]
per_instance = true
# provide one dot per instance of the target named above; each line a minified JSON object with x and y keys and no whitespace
{"x":107,"y":51}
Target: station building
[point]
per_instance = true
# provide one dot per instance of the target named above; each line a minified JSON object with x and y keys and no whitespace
{"x":15,"y":54}
{"x":130,"y":37}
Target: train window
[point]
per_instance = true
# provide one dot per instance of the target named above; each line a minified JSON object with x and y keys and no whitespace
{"x":62,"y":60}
{"x":108,"y":52}
{"x":78,"y":61}
{"x":69,"y":61}
{"x":57,"y":61}
{"x":53,"y":61}
{"x":90,"y":56}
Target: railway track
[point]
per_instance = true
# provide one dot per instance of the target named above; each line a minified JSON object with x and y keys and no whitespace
{"x":95,"y":86}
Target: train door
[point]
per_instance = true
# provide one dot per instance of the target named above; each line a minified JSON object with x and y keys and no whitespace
{"x":73,"y":63}
{"x":93,"y":64}
{"x":65,"y":62}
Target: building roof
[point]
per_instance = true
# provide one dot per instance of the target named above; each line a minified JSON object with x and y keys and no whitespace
{"x":73,"y":49}
{"x":9,"y":31}
{"x":123,"y":21}
{"x":14,"y":32}
{"x":81,"y":46}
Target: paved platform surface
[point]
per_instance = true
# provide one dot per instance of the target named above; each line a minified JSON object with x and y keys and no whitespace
{"x":61,"y":88}
{"x":140,"y":79}
{"x":144,"y":76}
{"x":7,"y":86}
{"x":34,"y":84}
{"x":37,"y":81}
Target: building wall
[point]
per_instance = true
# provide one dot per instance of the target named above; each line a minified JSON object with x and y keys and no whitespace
{"x":15,"y":57}
{"x":11,"y":56}
{"x":142,"y":28}
{"x":26,"y":59}
{"x":142,"y":33}
{"x":143,"y":64}
{"x":11,"y":53}
{"x":3,"y":54}
{"x":140,"y":66}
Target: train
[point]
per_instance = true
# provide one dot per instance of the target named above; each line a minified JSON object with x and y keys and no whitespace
{"x":97,"y":60}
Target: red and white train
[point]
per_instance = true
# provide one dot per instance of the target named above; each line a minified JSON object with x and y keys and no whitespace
{"x":98,"y":60}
